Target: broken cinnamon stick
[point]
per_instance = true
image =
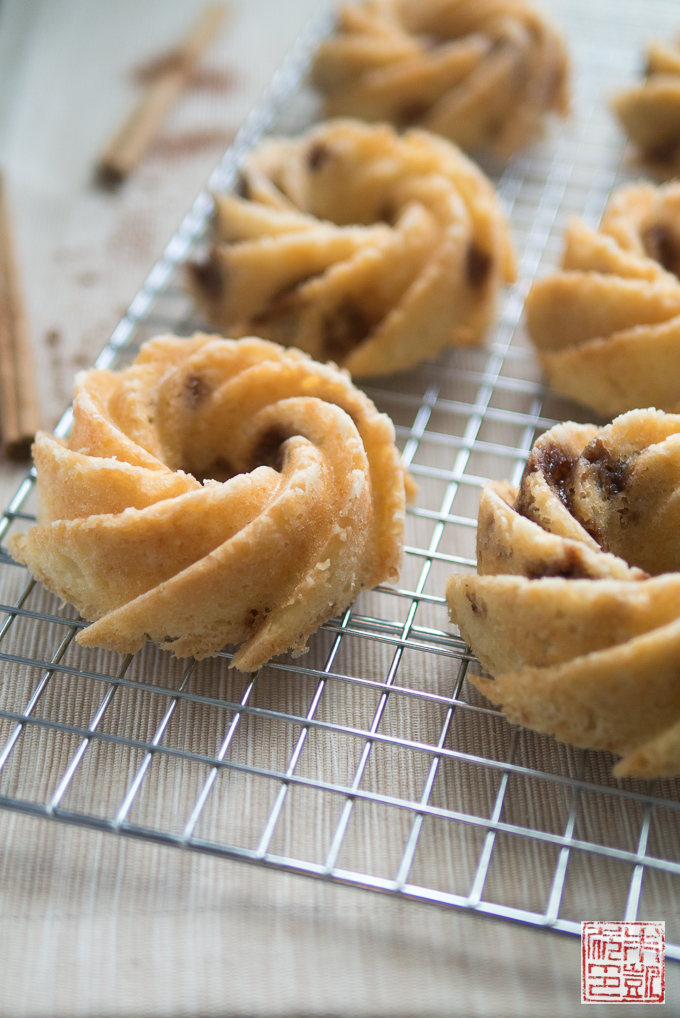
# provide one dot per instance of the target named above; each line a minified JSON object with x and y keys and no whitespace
{"x":134,"y":136}
{"x":19,"y":416}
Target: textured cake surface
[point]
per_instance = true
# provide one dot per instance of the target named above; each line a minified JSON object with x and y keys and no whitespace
{"x":216,"y":491}
{"x":607,"y":325}
{"x":481,"y":72}
{"x":575,"y":611}
{"x":650,"y":111}
{"x":359,"y":245}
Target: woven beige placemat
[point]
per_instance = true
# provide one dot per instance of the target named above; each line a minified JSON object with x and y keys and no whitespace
{"x":91,"y":924}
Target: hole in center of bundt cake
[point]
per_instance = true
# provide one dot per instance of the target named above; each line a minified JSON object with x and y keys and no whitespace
{"x":208,"y":277}
{"x":269,"y":451}
{"x":411,"y":112}
{"x":219,"y":470}
{"x":663,"y":246}
{"x":344,"y":328}
{"x":318,"y":155}
{"x":477,"y":265}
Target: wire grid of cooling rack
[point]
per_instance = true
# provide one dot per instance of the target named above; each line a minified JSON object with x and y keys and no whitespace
{"x":371,"y":761}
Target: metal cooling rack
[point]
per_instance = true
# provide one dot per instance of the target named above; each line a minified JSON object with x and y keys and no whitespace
{"x":370,"y":762}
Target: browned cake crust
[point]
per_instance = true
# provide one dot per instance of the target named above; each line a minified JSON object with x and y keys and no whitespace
{"x":607,"y":325}
{"x":650,"y":111}
{"x":355,"y":244}
{"x":575,"y":613}
{"x":216,"y":492}
{"x":483,"y":73}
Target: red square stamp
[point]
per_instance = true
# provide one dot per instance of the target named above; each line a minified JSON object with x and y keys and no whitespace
{"x":623,"y":963}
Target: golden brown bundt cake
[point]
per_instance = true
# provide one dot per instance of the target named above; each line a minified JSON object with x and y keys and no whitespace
{"x":650,"y":111}
{"x":607,"y":326}
{"x":216,"y":492}
{"x":356,"y":244}
{"x":575,"y":612}
{"x":481,"y":72}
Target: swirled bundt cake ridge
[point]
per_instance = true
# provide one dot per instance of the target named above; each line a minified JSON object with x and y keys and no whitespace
{"x":216,"y":491}
{"x":575,"y":611}
{"x":607,"y":324}
{"x":650,"y":111}
{"x":358,"y":245}
{"x":483,"y":74}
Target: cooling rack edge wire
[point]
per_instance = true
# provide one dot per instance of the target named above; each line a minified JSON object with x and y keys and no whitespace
{"x":418,"y":787}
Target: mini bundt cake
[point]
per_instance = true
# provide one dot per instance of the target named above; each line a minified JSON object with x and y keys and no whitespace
{"x":481,"y":72}
{"x":216,"y":492}
{"x":355,"y":244}
{"x":607,"y":326}
{"x":575,"y":612}
{"x":650,"y":111}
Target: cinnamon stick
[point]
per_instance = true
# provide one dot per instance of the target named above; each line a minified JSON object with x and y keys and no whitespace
{"x":19,"y":416}
{"x":134,"y":136}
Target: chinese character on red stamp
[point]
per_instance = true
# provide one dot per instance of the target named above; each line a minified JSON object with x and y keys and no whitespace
{"x":623,"y":963}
